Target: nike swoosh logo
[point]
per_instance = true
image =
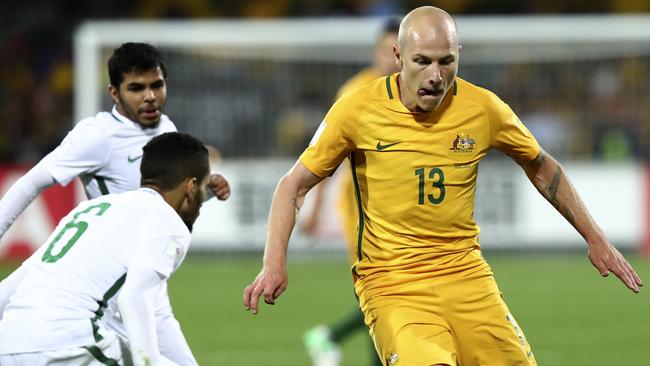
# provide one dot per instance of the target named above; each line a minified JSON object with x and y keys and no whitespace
{"x":131,"y":160}
{"x":381,"y":147}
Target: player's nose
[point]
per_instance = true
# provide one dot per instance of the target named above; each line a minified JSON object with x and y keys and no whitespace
{"x":149,"y":95}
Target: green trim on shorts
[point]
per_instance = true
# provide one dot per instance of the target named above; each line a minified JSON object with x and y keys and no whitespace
{"x":101,"y":182}
{"x":100,"y":356}
{"x":103,"y":303}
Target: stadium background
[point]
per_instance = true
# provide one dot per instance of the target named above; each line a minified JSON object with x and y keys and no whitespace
{"x":586,"y":99}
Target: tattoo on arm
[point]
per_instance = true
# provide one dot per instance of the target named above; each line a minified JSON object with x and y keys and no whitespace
{"x":551,"y":190}
{"x":550,"y":194}
{"x":538,"y":159}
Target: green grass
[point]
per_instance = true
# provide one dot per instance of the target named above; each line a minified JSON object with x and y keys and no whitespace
{"x":571,"y":316}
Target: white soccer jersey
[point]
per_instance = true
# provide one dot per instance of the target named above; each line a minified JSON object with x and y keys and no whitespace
{"x":69,"y":280}
{"x":105,"y":152}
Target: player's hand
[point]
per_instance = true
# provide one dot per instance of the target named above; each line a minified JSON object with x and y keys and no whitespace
{"x":606,"y":258}
{"x":219,"y":186}
{"x":270,"y":282}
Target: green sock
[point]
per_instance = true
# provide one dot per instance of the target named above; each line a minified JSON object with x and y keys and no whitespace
{"x":347,"y":325}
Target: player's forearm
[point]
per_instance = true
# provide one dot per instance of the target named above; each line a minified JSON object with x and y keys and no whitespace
{"x":136,"y":308}
{"x":171,"y":341}
{"x":21,"y":194}
{"x":550,"y":179}
{"x":287,"y":201}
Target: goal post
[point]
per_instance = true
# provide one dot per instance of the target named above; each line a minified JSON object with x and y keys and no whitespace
{"x":257,"y":89}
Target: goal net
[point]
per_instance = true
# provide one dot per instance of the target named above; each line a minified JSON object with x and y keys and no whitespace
{"x":257,"y":90}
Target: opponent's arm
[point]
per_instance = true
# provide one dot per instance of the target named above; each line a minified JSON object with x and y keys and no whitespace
{"x":287,"y":201}
{"x":172,"y":342}
{"x":218,"y":186}
{"x":22,"y":193}
{"x":550,"y":179}
{"x":136,"y":304}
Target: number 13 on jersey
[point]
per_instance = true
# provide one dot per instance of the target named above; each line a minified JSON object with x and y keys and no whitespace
{"x":435,"y":193}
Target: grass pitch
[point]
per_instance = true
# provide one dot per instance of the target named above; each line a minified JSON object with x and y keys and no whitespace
{"x":571,"y":316}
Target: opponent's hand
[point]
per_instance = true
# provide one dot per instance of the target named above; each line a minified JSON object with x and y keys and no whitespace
{"x":219,"y":186}
{"x":270,"y":282}
{"x":606,"y":258}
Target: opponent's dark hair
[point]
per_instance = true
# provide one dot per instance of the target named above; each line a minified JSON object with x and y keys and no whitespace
{"x":172,"y":157}
{"x":132,"y":56}
{"x":391,"y":25}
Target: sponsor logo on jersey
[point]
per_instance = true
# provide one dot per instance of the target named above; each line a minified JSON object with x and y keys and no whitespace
{"x":134,"y":159}
{"x":381,"y":147}
{"x":392,"y":359}
{"x":463,"y":143}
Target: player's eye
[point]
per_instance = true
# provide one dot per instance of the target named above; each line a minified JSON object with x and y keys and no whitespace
{"x":446,"y":61}
{"x":135,"y":87}
{"x":422,"y":61}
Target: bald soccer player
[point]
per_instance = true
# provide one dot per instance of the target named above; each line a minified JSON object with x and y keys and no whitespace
{"x":414,"y":140}
{"x":323,"y":342}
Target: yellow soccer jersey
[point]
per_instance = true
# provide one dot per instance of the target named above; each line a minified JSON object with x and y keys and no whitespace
{"x":347,"y":202}
{"x":415,"y":173}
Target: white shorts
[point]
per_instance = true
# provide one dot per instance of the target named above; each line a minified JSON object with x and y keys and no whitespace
{"x":110,"y":351}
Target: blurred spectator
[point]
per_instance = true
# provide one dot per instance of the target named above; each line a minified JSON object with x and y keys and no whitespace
{"x":602,"y":113}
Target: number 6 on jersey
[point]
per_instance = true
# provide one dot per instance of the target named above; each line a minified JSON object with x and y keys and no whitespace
{"x":79,"y":226}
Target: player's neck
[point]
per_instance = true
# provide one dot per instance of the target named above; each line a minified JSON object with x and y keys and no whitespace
{"x":174,"y":197}
{"x":408,"y":101}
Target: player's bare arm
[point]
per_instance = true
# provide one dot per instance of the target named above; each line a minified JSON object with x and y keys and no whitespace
{"x":287,"y":200}
{"x":550,"y":179}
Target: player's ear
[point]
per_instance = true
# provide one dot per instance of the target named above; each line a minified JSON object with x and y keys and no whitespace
{"x":114,"y":93}
{"x":398,"y":59}
{"x":190,"y":185}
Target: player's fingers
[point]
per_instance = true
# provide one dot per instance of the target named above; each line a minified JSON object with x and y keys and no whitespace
{"x":625,"y":276}
{"x":269,"y":297}
{"x":632,"y":272}
{"x":601,"y":267}
{"x":279,"y":291}
{"x":635,"y":276}
{"x":246,"y":297}
{"x":255,"y":298}
{"x":223,"y":194}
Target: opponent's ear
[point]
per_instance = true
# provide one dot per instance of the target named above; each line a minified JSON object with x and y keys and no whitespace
{"x":191,"y":184}
{"x":114,"y":93}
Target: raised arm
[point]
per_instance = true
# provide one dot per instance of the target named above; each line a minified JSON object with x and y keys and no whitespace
{"x":22,"y":193}
{"x":287,"y":200}
{"x":548,"y":176}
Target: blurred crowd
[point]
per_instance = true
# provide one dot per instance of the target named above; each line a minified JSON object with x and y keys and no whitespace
{"x":36,"y":78}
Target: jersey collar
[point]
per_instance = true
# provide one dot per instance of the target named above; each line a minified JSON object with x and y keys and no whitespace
{"x":118,"y":117}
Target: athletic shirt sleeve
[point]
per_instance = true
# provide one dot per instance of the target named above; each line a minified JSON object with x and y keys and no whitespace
{"x":332,"y":141}
{"x":508,"y":134}
{"x":163,"y":244}
{"x":83,"y":150}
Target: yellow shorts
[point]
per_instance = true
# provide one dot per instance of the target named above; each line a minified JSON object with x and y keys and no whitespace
{"x":457,"y":319}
